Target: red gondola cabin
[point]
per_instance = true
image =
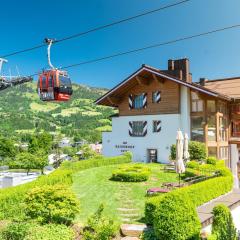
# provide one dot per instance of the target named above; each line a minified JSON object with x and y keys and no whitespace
{"x":54,"y":85}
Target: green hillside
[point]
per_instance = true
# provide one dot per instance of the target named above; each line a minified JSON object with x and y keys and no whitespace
{"x":22,"y":113}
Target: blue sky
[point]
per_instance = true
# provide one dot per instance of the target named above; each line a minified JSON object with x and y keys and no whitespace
{"x":26,"y":23}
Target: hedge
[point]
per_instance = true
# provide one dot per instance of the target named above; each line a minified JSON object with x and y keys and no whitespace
{"x":199,"y":193}
{"x":131,"y":173}
{"x":11,"y":199}
{"x":176,"y":218}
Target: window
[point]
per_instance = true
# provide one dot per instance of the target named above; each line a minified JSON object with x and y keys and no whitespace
{"x":138,"y":128}
{"x":197,"y":102}
{"x":138,"y":101}
{"x":197,"y":133}
{"x":212,"y":152}
{"x":211,"y":128}
{"x":64,"y":81}
{"x":222,"y":128}
{"x":223,"y":153}
{"x":156,"y":97}
{"x":50,"y":81}
{"x":156,"y":126}
{"x":44,"y":82}
{"x":222,"y":107}
{"x":211,"y":106}
{"x":236,"y":129}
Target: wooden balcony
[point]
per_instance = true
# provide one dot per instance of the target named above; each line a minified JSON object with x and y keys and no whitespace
{"x":236,"y":134}
{"x":235,"y":109}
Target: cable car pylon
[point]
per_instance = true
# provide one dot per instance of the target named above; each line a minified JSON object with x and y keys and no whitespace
{"x":9,"y":81}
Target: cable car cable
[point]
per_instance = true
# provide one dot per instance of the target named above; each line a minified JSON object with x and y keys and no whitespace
{"x":98,"y":28}
{"x":149,"y":47}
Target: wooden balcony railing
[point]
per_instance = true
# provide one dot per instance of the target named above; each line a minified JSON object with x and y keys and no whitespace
{"x":236,"y":134}
{"x":235,"y":109}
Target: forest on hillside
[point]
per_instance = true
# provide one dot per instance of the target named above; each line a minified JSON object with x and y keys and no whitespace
{"x":22,"y":114}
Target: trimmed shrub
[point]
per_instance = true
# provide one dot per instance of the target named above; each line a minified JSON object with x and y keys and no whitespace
{"x":211,"y":160}
{"x":51,"y":204}
{"x":131,"y":173}
{"x":199,"y":193}
{"x":192,"y":164}
{"x":223,"y":227}
{"x":197,"y":151}
{"x":175,"y":218}
{"x":173,"y":152}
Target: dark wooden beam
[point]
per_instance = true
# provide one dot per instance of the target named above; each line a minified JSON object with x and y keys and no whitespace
{"x":142,"y":81}
{"x":157,"y":79}
{"x":114,"y":100}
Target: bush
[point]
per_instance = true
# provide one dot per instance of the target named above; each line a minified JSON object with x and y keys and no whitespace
{"x":15,"y":231}
{"x":197,"y":151}
{"x":173,"y":152}
{"x":175,"y":218}
{"x":211,"y":160}
{"x":192,"y":164}
{"x":51,"y":204}
{"x":99,"y":227}
{"x":50,"y":232}
{"x":131,"y":173}
{"x":223,"y":227}
{"x":199,"y":193}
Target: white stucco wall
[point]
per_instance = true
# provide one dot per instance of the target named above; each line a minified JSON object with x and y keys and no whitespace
{"x":114,"y":142}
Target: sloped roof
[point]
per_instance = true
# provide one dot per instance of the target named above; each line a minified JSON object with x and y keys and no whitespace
{"x":131,"y":81}
{"x":226,"y":86}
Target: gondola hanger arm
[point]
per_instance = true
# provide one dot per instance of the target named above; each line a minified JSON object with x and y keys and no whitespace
{"x":49,"y":42}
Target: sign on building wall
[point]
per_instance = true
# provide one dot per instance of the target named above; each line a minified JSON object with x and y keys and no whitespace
{"x":124,"y":147}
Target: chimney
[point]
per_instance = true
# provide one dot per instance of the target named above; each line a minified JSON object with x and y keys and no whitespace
{"x":181,"y":65}
{"x":202,"y":81}
{"x":170,"y":64}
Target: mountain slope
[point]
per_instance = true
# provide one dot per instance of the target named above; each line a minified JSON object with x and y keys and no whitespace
{"x":22,"y":113}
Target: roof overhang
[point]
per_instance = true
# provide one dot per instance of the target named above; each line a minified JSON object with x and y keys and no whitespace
{"x":160,"y":74}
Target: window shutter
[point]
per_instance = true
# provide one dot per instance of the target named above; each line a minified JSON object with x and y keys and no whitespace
{"x":130,"y":129}
{"x":158,"y":97}
{"x":145,"y":128}
{"x":159,"y":127}
{"x":130,"y":101}
{"x":144,"y":100}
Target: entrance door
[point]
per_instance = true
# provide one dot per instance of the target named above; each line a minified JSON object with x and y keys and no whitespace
{"x":152,"y":155}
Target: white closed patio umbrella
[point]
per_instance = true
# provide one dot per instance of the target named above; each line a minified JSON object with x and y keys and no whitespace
{"x":180,"y":168}
{"x":186,"y":154}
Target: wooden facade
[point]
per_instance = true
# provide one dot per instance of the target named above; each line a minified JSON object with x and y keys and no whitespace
{"x":170,"y":98}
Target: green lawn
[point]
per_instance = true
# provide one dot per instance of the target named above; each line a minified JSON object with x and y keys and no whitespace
{"x":124,"y":202}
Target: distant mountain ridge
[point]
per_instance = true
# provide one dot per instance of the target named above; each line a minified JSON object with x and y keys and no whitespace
{"x":22,"y":113}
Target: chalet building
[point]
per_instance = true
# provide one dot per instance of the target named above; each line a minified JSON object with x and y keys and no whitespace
{"x":153,"y":104}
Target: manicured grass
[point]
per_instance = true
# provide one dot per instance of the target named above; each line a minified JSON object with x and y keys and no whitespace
{"x":93,"y":187}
